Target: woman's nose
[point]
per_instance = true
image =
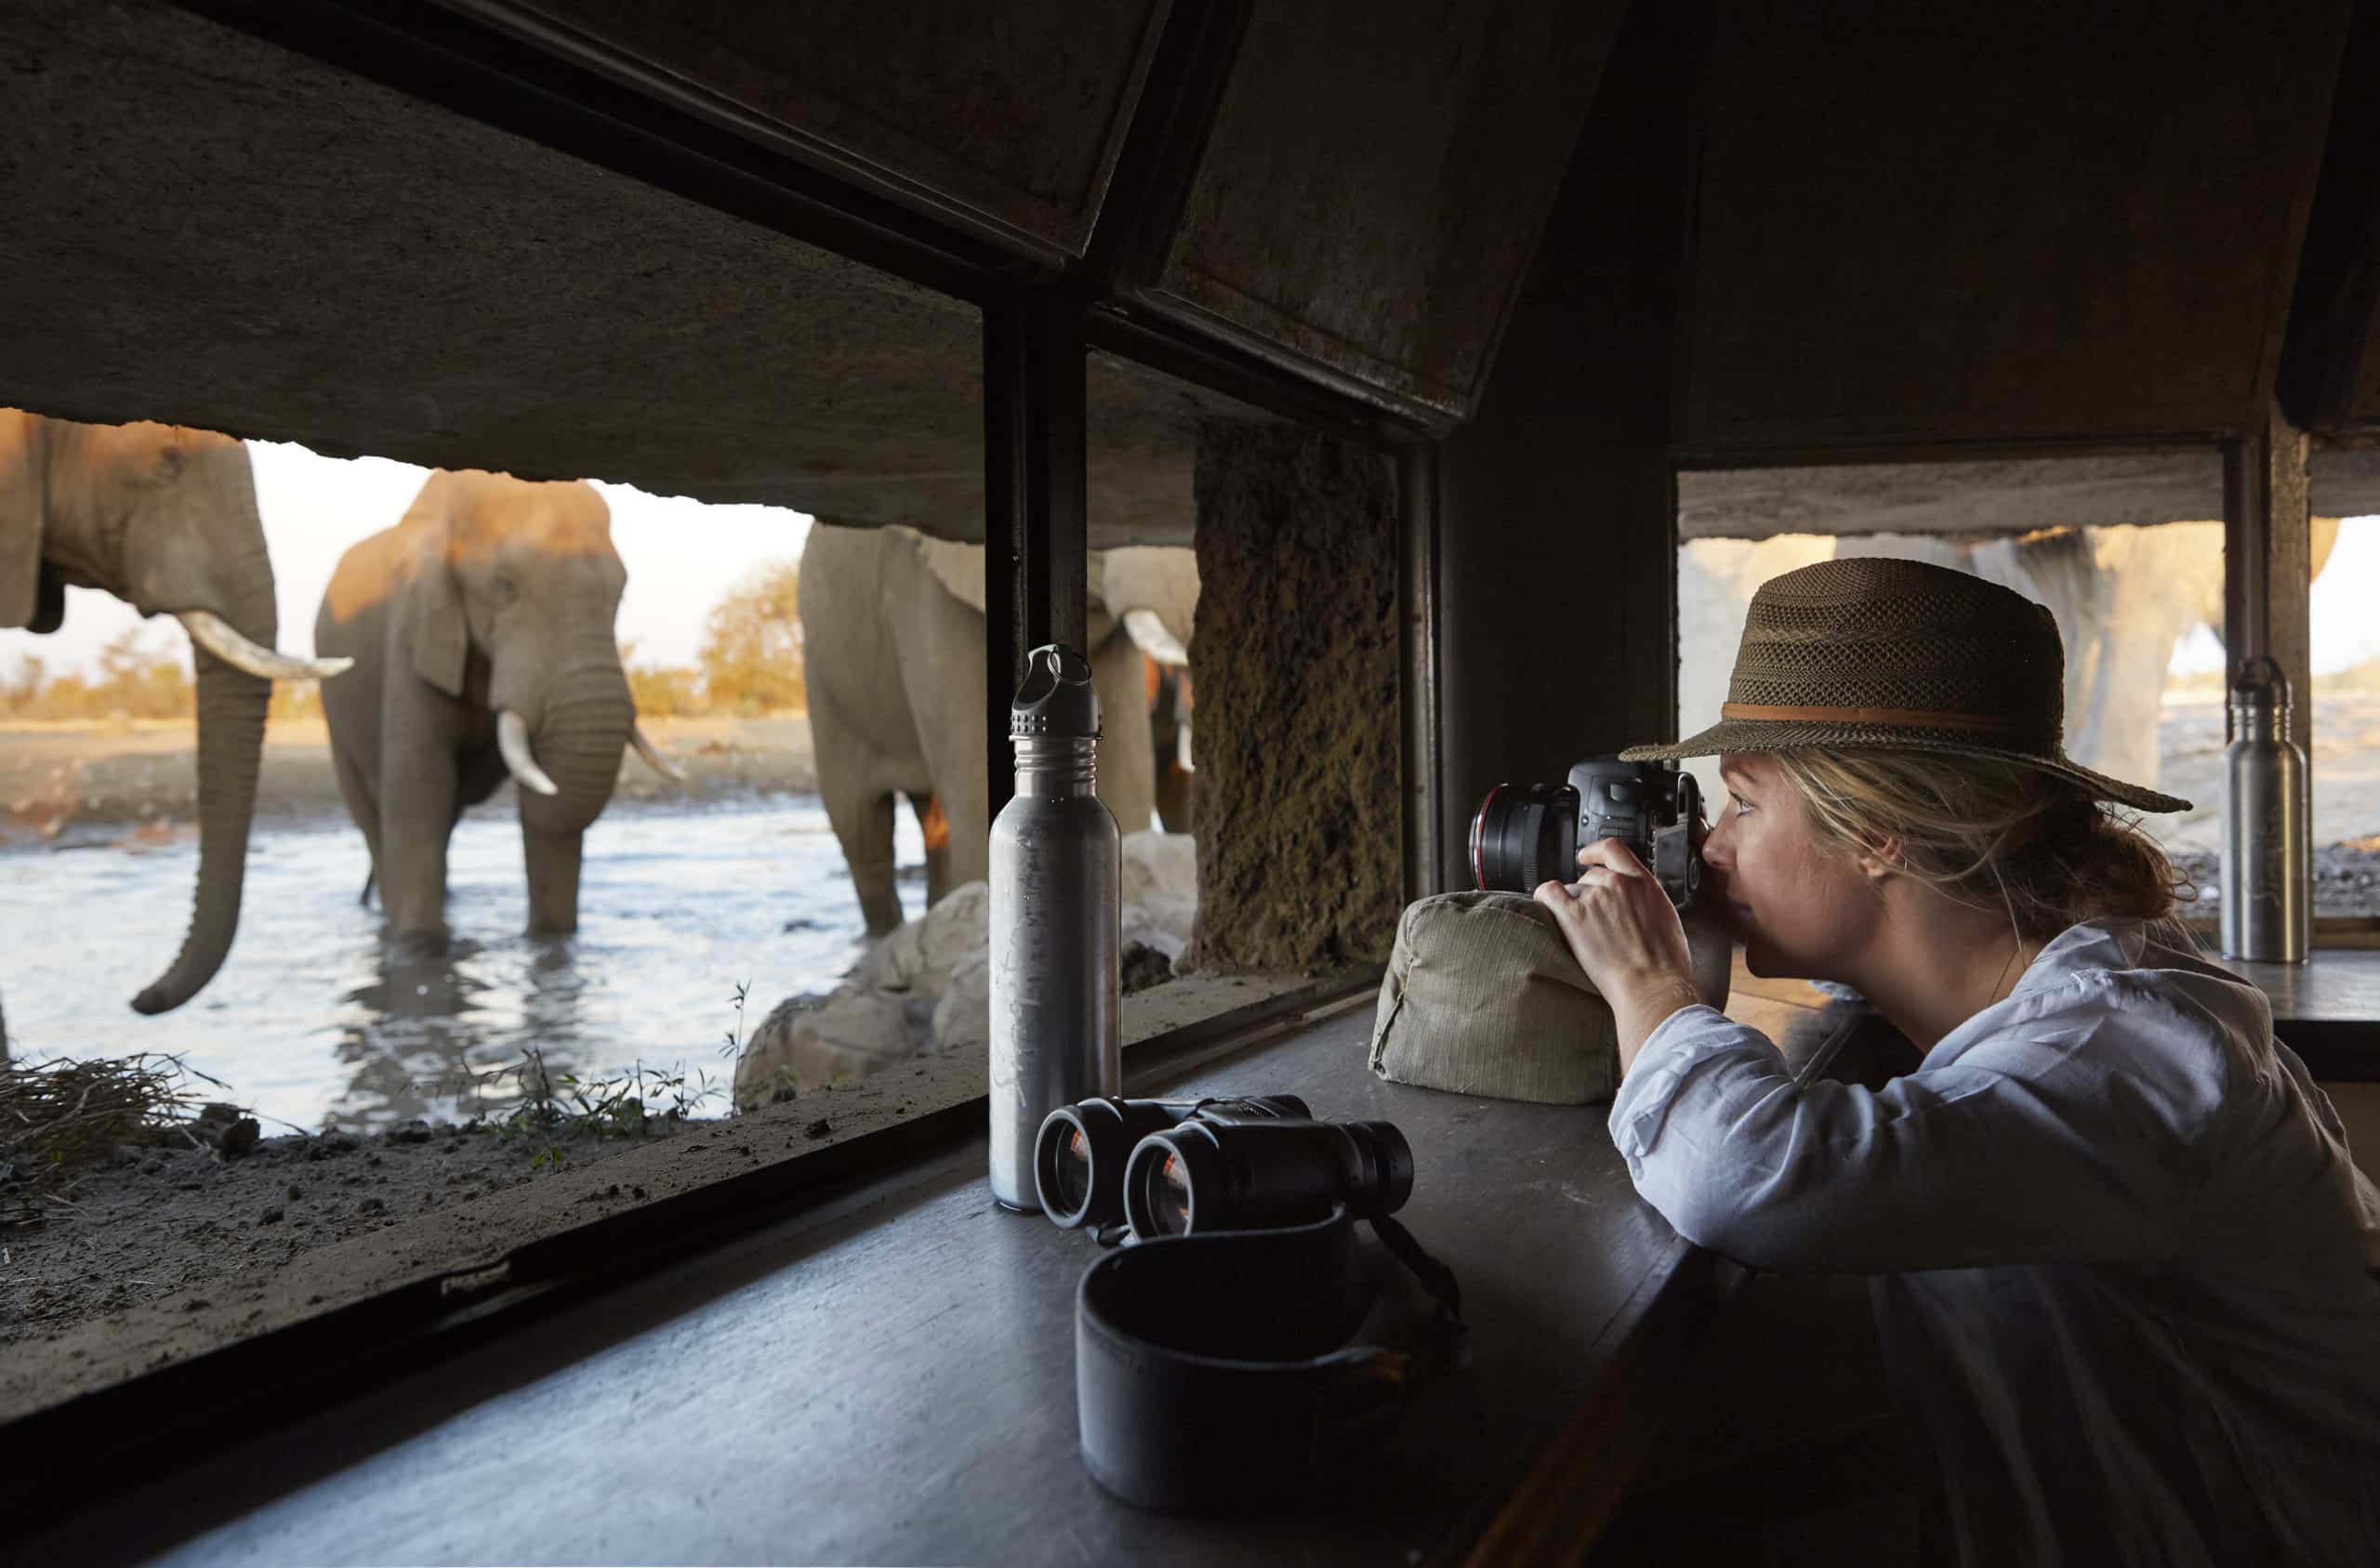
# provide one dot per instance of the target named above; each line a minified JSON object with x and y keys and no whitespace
{"x":1718,"y":845}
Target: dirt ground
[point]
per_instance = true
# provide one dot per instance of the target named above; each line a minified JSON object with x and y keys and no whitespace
{"x":170,"y":1218}
{"x":102,"y":781}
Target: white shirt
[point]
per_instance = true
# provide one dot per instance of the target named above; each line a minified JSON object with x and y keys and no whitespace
{"x":2127,"y":1276}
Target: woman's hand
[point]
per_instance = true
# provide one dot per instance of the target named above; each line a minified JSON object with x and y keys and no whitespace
{"x":1626,"y":934}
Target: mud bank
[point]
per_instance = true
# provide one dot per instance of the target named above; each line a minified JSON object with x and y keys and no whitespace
{"x":62,"y":781}
{"x":173,"y":1219}
{"x":2347,"y":881}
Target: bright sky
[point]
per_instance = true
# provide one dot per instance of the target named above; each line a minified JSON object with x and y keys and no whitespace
{"x":2345,"y":630}
{"x":682,"y":556}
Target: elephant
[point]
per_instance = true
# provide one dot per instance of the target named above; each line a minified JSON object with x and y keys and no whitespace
{"x":2123,"y":597}
{"x":892,"y":649}
{"x":165,"y":519}
{"x":480,"y":627}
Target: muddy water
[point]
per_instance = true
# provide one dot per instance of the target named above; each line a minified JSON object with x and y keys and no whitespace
{"x":310,"y":1022}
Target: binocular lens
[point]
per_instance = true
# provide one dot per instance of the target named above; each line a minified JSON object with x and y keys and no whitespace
{"x":1169,"y":1197}
{"x":1070,"y":1173}
{"x":1226,"y":1172}
{"x":1081,"y":1151}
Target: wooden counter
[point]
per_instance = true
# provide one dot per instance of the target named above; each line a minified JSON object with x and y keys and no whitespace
{"x":890,"y":1378}
{"x":2327,"y":1010}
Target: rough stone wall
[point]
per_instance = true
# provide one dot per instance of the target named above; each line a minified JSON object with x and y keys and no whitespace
{"x":1296,"y":731}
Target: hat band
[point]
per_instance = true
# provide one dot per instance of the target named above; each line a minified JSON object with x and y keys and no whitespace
{"x":1897,"y":718}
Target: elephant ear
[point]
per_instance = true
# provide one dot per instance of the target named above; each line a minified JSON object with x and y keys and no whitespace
{"x":30,"y":595}
{"x":431,"y":618}
{"x":1153,"y":589}
{"x":959,"y":568}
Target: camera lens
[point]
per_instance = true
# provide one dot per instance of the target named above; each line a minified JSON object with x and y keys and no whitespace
{"x":1523,"y":834}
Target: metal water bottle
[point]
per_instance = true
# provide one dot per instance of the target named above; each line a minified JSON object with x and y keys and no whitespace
{"x":2268,"y":816}
{"x":1056,"y":922}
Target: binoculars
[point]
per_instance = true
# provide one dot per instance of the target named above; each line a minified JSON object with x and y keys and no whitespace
{"x":1181,"y":1167}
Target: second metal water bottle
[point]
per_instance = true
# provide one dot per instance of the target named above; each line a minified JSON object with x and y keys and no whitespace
{"x":1056,"y":922}
{"x":2267,"y":813}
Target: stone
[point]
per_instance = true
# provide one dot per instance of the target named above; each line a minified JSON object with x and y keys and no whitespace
{"x":239,"y":1137}
{"x":1298,"y":742}
{"x":1143,"y":967}
{"x":851,"y":1033}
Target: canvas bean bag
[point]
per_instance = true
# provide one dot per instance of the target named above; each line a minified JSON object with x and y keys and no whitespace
{"x":1482,"y":997}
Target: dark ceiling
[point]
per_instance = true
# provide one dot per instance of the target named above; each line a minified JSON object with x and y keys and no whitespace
{"x":1914,"y":232}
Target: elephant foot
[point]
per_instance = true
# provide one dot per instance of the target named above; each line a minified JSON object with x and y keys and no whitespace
{"x":421,"y":942}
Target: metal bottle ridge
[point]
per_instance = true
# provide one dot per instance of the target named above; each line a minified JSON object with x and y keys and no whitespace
{"x":1056,"y":922}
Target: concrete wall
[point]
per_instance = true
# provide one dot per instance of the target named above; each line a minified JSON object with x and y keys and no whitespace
{"x":1297,"y":734}
{"x":1557,"y":553}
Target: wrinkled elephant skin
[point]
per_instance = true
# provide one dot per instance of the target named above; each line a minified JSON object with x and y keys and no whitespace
{"x":166,"y":519}
{"x":2123,"y":597}
{"x":894,"y":648}
{"x":482,"y":626}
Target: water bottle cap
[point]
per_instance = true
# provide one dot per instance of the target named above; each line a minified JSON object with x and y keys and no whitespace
{"x":2260,"y":683}
{"x":1056,"y":701}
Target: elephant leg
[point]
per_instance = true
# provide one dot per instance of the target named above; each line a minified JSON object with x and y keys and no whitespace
{"x":1127,"y":766}
{"x":860,"y":813}
{"x":419,"y":786}
{"x":553,"y":861}
{"x":934,"y":826}
{"x":355,"y":788}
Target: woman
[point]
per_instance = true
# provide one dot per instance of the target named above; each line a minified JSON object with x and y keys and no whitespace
{"x":2127,"y":1276}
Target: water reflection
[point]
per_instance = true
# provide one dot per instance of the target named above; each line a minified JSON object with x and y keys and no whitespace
{"x":315,"y":1018}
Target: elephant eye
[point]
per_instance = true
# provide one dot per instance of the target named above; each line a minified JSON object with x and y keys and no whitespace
{"x":506,"y":592}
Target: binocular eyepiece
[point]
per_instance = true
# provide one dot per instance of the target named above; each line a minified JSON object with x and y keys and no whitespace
{"x":1175,"y":1167}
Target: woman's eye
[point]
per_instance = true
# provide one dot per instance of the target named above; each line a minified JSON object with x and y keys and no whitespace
{"x":1739,"y":805}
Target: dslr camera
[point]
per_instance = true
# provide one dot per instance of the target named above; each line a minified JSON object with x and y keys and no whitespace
{"x":1524,"y":834}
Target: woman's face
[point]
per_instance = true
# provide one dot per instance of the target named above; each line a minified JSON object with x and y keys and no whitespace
{"x":1802,"y":908}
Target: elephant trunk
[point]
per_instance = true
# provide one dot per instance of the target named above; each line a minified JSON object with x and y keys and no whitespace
{"x":230,"y":744}
{"x":580,"y":733}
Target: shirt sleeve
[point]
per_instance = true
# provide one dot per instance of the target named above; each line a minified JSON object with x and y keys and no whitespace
{"x":2033,"y":1146}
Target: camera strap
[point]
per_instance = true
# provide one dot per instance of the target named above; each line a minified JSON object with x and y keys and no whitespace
{"x":1212,"y":1371}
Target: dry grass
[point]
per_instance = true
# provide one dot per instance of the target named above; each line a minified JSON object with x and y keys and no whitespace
{"x":60,"y":1115}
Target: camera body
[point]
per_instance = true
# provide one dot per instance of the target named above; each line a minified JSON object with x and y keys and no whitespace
{"x":1524,"y":835}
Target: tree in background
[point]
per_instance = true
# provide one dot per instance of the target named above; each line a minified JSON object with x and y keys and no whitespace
{"x":135,"y":681}
{"x":751,"y":648}
{"x":663,"y":691}
{"x":142,"y":682}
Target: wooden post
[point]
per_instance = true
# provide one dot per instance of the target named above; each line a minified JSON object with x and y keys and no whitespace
{"x":1035,"y":531}
{"x":2268,"y":566}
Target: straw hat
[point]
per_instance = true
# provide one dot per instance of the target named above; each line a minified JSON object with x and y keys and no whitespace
{"x":1878,"y":654}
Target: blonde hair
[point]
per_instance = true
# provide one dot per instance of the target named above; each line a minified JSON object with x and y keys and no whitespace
{"x":1994,"y":834}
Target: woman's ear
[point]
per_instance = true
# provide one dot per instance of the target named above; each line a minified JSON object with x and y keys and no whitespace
{"x":429,"y":616}
{"x":23,"y":520}
{"x":1882,"y":858}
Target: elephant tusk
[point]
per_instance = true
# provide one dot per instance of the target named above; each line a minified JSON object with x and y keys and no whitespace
{"x":652,"y":754}
{"x":213,"y":633}
{"x":512,"y":740}
{"x":1147,"y":631}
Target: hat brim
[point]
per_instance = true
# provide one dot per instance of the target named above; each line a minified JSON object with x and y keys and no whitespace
{"x":1768,"y":734}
